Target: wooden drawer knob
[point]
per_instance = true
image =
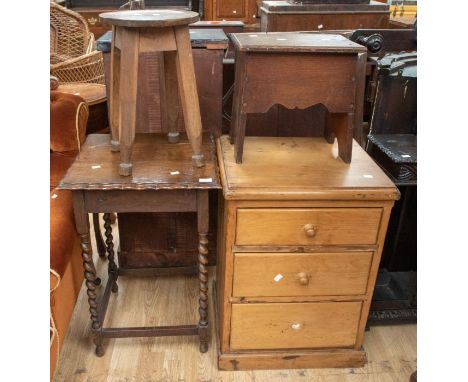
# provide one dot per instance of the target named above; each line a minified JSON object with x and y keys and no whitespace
{"x":296,"y":326}
{"x":310,"y":230}
{"x":303,"y":278}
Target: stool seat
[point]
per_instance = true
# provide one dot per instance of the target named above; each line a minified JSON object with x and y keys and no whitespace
{"x":153,"y":18}
{"x":295,"y":42}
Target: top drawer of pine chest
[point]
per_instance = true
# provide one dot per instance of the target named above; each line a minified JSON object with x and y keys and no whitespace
{"x":307,"y":226}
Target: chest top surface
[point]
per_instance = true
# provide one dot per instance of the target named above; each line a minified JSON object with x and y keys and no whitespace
{"x":149,"y":18}
{"x":286,"y":6}
{"x":300,"y":169}
{"x":294,"y":42}
{"x":157,"y":164}
{"x":203,"y":37}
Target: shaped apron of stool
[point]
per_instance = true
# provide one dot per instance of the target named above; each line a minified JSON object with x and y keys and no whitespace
{"x":299,"y":70}
{"x":152,"y":30}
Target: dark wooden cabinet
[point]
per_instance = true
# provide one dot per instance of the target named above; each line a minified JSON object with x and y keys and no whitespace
{"x":231,"y":10}
{"x":284,"y":16}
{"x":90,"y":10}
{"x":392,"y":144}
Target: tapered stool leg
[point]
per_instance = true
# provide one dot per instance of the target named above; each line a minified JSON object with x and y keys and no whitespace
{"x":239,"y":115}
{"x":188,"y":93}
{"x":203,"y":223}
{"x":114,"y":94}
{"x":128,"y":96}
{"x":171,"y":96}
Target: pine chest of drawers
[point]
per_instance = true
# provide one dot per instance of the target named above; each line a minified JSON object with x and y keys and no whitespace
{"x":300,"y":237}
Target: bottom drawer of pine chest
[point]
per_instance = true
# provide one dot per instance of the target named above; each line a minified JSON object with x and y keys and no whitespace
{"x":294,"y":325}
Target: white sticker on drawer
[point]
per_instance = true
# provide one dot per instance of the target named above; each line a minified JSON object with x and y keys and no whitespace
{"x":278,"y":277}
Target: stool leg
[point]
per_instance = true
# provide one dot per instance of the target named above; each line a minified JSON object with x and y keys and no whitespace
{"x":171,"y":96}
{"x":188,"y":93}
{"x":239,"y":116}
{"x":340,"y":125}
{"x":82,"y":227}
{"x":203,"y":223}
{"x":114,"y":93}
{"x":112,"y":267}
{"x":128,"y":97}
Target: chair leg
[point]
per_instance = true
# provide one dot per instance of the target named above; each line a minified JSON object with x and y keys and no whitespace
{"x":188,"y":93}
{"x":101,"y":248}
{"x":128,"y":97}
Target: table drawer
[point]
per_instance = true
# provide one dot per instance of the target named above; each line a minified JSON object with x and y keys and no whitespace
{"x":307,"y":226}
{"x":294,"y":325}
{"x":301,"y":274}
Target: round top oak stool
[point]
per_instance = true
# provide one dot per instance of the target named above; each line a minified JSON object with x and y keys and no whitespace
{"x":152,"y":30}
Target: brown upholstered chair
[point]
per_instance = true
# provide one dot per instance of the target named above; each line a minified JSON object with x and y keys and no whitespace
{"x":68,"y":119}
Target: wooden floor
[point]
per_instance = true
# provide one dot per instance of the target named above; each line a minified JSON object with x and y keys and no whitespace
{"x":171,"y":301}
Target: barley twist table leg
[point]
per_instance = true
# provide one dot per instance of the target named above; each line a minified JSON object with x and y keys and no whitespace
{"x":203,"y":300}
{"x":90,"y":277}
{"x":112,"y":267}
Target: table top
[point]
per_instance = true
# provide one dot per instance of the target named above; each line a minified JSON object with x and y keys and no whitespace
{"x":157,"y":165}
{"x":149,"y":18}
{"x":277,"y":168}
{"x":320,"y":7}
{"x":294,"y":42}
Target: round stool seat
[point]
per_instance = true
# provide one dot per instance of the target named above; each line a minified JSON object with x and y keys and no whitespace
{"x":149,"y":18}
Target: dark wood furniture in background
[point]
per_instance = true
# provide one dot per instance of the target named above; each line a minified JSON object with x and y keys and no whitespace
{"x":284,"y":16}
{"x":90,"y":10}
{"x":231,"y":10}
{"x":300,"y":238}
{"x":392,"y":144}
{"x":155,"y":31}
{"x":154,"y":187}
{"x":299,"y":70}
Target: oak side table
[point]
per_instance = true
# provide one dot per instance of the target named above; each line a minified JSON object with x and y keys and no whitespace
{"x":299,"y":70}
{"x":163,"y":181}
{"x":300,"y":238}
{"x":145,"y":31}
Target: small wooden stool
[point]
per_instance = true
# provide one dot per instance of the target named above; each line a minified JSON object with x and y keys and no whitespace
{"x":299,"y":70}
{"x":142,"y":31}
